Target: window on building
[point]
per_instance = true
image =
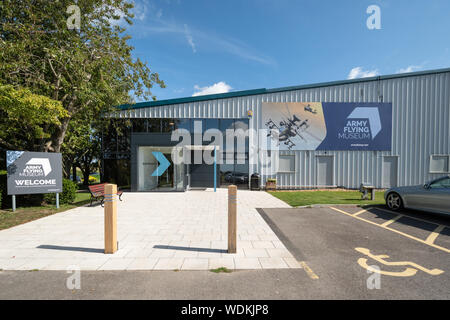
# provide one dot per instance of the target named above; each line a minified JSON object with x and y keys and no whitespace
{"x":439,"y":163}
{"x":286,"y":163}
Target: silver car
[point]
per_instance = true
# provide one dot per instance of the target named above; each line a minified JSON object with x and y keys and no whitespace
{"x":433,"y":196}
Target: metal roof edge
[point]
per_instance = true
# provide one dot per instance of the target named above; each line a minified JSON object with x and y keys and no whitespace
{"x":368,"y":79}
{"x":156,"y":103}
{"x":242,"y":93}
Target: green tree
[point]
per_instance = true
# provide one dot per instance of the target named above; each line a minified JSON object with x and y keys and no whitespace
{"x":88,"y":70}
{"x":27,"y":119}
{"x":82,"y":148}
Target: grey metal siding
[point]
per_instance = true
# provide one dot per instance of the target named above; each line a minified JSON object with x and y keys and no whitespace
{"x":421,"y":127}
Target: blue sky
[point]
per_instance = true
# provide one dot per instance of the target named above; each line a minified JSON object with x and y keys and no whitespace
{"x":209,"y":46}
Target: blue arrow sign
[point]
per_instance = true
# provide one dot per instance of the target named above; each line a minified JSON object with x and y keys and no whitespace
{"x":163,"y":164}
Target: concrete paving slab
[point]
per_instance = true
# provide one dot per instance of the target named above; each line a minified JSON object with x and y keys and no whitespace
{"x":215,"y":263}
{"x":247,"y":263}
{"x":273,"y":263}
{"x":169,"y":264}
{"x":142,"y":264}
{"x":195,"y":264}
{"x":167,"y":229}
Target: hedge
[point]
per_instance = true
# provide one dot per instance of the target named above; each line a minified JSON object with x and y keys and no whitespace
{"x":66,"y":196}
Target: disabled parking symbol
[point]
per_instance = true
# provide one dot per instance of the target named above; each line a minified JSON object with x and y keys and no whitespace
{"x":411,"y":267}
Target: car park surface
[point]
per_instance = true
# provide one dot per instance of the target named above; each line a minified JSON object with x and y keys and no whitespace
{"x":343,"y":245}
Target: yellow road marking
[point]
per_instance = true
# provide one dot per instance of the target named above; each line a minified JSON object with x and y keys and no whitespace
{"x":393,"y":230}
{"x":359,"y":212}
{"x":392,"y":220}
{"x":432,"y":237}
{"x":309,"y":271}
{"x":415,"y":218}
{"x":380,"y":258}
{"x":408,"y":272}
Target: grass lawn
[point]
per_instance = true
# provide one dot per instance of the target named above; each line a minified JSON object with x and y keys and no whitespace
{"x":304,"y":198}
{"x":10,"y":219}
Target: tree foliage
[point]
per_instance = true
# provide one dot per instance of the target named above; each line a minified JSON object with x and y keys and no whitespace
{"x":88,"y":70}
{"x":82,"y":147}
{"x":27,"y":119}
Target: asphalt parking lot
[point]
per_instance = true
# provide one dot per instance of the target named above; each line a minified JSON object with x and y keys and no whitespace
{"x":371,"y":252}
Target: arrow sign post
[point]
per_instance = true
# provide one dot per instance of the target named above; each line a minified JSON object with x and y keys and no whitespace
{"x":163,"y":164}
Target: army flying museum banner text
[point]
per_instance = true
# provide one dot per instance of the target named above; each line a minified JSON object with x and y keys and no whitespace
{"x":328,"y":125}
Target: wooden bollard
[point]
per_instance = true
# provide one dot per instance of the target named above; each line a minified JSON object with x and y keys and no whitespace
{"x":110,"y":218}
{"x":232,"y":212}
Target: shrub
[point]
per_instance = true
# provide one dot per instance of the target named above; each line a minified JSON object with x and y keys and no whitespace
{"x":66,"y":196}
{"x":3,"y":190}
{"x":23,"y":200}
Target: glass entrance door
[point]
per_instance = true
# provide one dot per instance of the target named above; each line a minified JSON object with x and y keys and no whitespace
{"x":172,"y":179}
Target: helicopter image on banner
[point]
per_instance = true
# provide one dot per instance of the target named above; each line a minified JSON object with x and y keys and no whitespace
{"x":309,"y":109}
{"x":287,"y":129}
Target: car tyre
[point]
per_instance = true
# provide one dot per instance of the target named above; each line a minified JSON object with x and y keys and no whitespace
{"x":394,"y":201}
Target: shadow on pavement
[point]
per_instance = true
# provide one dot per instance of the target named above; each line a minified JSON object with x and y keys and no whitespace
{"x":52,"y":247}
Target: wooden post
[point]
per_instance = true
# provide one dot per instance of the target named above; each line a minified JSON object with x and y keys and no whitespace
{"x":110,"y":218}
{"x":232,"y":212}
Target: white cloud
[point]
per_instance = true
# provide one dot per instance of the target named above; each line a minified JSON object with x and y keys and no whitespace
{"x":208,"y":40}
{"x":189,"y":38}
{"x":358,"y":72}
{"x":140,"y":11}
{"x":159,"y":14}
{"x":409,"y":69}
{"x":219,"y":87}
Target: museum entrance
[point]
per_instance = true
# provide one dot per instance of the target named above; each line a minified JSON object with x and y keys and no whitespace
{"x":149,"y":179}
{"x":201,"y":174}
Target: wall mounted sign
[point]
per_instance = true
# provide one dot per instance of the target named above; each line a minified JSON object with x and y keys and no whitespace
{"x":328,"y":125}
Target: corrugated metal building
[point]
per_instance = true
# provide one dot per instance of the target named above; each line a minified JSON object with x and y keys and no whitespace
{"x":420,"y":128}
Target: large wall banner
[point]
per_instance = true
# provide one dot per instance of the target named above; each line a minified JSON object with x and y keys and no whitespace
{"x":33,"y":172}
{"x":328,"y":125}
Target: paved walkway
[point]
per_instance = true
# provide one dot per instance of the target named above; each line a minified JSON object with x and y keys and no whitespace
{"x":156,"y":231}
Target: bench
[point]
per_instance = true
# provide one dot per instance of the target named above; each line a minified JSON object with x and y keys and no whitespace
{"x":365,"y":189}
{"x":98,"y":192}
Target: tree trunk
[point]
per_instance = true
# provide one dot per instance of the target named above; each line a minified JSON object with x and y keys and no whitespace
{"x":59,"y":139}
{"x":74,"y":173}
{"x":85,"y":166}
{"x":86,"y":177}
